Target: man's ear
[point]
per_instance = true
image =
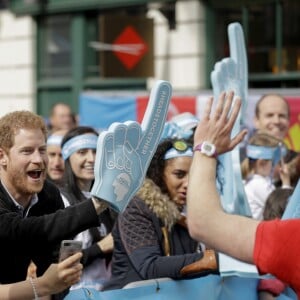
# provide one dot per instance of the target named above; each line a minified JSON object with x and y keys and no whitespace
{"x":256,"y":122}
{"x":3,"y":157}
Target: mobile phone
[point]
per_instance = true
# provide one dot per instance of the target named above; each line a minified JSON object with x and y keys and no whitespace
{"x":68,"y":248}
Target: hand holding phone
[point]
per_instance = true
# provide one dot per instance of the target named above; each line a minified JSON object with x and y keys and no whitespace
{"x":68,"y":248}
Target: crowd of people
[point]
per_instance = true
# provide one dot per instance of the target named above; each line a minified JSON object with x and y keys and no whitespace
{"x":173,"y":227}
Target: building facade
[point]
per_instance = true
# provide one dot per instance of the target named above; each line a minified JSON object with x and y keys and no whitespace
{"x":53,"y":50}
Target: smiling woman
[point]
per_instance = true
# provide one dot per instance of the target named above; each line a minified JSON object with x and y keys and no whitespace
{"x":79,"y":152}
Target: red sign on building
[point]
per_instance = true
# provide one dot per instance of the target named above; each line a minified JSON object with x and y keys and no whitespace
{"x":129,"y":46}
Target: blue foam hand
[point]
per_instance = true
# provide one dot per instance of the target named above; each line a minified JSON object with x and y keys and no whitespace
{"x":231,"y":74}
{"x":292,"y":210}
{"x":125,"y":150}
{"x":172,"y":130}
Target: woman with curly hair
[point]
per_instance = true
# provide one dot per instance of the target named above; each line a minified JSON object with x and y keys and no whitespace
{"x":151,"y":239}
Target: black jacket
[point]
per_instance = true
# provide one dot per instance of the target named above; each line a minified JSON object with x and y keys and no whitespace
{"x":140,"y":250}
{"x":38,"y":238}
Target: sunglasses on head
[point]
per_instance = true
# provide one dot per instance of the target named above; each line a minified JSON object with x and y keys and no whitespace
{"x":181,"y":146}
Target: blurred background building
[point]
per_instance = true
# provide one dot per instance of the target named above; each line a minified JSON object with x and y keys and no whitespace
{"x":53,"y":50}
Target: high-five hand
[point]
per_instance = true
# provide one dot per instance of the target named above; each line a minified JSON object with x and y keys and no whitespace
{"x":126,"y":149}
{"x":216,"y":126}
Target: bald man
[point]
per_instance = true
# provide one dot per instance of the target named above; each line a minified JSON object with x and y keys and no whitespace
{"x":272,"y":115}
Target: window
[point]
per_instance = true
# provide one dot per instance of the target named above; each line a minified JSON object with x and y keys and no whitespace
{"x":272,"y":32}
{"x":55,"y":47}
{"x":261,"y":38}
{"x":3,"y":4}
{"x":92,"y":35}
{"x":291,"y":33}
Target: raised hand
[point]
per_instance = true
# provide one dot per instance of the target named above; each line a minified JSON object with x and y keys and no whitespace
{"x":231,"y":74}
{"x":215,"y":127}
{"x":126,"y":149}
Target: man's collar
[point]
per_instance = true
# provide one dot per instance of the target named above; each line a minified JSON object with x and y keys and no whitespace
{"x":22,"y":209}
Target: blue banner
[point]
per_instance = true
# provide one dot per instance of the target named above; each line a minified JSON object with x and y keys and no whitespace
{"x":100,"y":111}
{"x":210,"y":287}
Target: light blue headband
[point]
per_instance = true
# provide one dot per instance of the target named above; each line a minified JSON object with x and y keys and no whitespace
{"x":54,"y":140}
{"x":84,"y":141}
{"x":260,"y":152}
{"x":270,"y":153}
{"x":172,"y":153}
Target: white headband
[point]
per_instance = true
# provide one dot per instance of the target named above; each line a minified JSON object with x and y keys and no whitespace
{"x":84,"y":141}
{"x":54,"y":140}
{"x":172,"y":153}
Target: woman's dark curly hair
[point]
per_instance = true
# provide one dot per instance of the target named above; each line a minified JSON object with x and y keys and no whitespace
{"x":69,"y":177}
{"x":157,"y":165}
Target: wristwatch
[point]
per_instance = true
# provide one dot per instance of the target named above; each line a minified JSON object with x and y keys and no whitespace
{"x":207,"y":148}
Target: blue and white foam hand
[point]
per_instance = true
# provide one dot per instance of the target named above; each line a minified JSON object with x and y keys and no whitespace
{"x":172,"y":130}
{"x":292,"y":210}
{"x":231,"y":74}
{"x":124,"y":151}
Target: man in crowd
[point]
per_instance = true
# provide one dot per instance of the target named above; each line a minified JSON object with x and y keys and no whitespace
{"x":56,"y":164}
{"x":271,"y":245}
{"x":32,"y":219}
{"x":61,"y":117}
{"x":272,"y":115}
{"x":32,"y":223}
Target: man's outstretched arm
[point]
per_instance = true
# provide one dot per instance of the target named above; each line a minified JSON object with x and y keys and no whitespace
{"x":231,"y":234}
